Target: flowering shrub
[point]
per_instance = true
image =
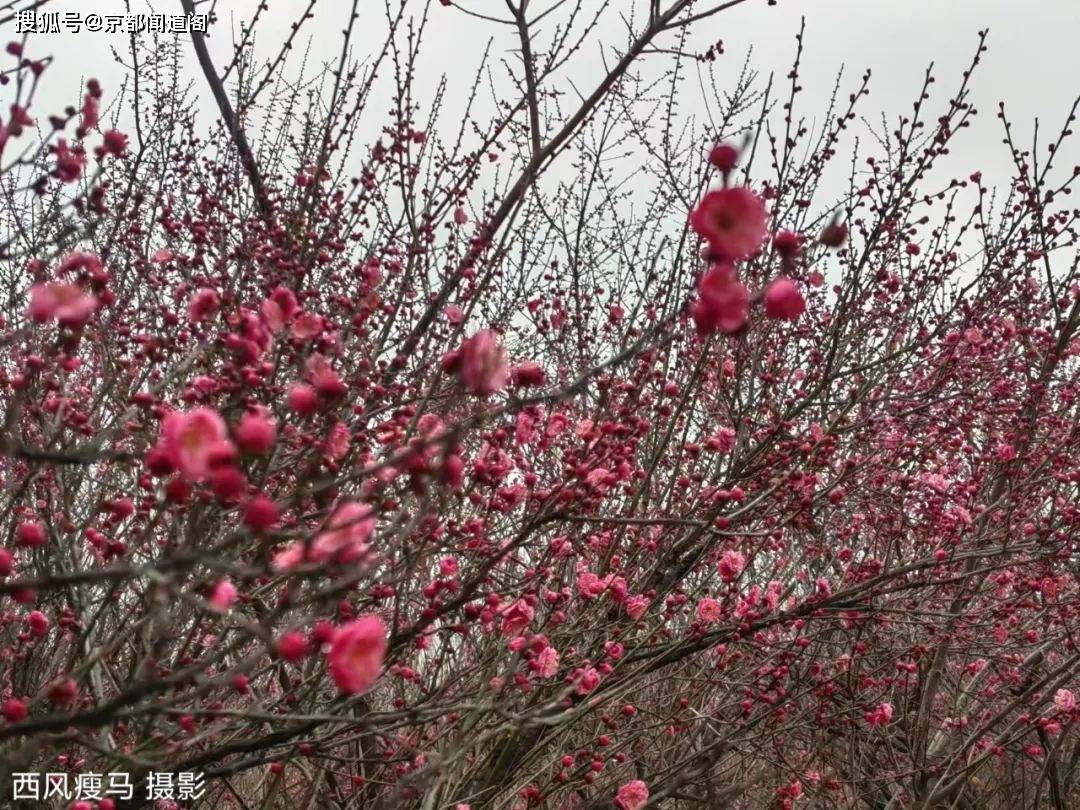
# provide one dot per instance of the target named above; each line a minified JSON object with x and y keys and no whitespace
{"x":368,"y":473}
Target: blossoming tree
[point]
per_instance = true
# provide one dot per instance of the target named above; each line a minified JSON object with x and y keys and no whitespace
{"x":583,"y":456}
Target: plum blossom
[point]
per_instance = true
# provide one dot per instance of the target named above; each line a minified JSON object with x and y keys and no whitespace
{"x":632,"y":795}
{"x":448,"y":566}
{"x":347,"y":533}
{"x":223,"y":596}
{"x":256,"y":431}
{"x":203,"y":304}
{"x":528,"y":374}
{"x":516,"y":617}
{"x":590,"y":585}
{"x":303,"y":399}
{"x":279,"y":309}
{"x":14,"y":710}
{"x":881,"y":715}
{"x":788,"y":244}
{"x":936,"y":482}
{"x":723,"y":301}
{"x":733,"y":221}
{"x":483,"y":366}
{"x":195,"y":441}
{"x":586,"y":679}
{"x":731,"y":565}
{"x":69,"y":162}
{"x":725,"y":157}
{"x":250,"y":338}
{"x":113,"y":142}
{"x":1065,"y":700}
{"x":68,"y":304}
{"x":31,"y":533}
{"x":356,"y":654}
{"x":524,"y":427}
{"x":90,"y":112}
{"x":38,"y":623}
{"x":557,"y":423}
{"x":307,"y":326}
{"x":293,"y":646}
{"x":62,"y":691}
{"x":344,"y":540}
{"x":546,"y":662}
{"x":20,"y":119}
{"x":336,"y":444}
{"x":600,"y":480}
{"x":724,"y":440}
{"x":320,"y":373}
{"x":708,"y":610}
{"x":260,"y":513}
{"x":636,"y":606}
{"x":783,"y":300}
{"x":1005,"y":452}
{"x":834,"y":234}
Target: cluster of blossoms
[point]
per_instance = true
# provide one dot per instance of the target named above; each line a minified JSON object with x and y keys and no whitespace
{"x":734,"y":224}
{"x":79,"y":287}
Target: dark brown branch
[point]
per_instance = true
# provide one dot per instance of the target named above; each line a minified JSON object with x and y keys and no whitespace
{"x":232,"y":123}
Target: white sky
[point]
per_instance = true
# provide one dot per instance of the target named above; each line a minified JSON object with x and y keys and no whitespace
{"x":1033,"y":63}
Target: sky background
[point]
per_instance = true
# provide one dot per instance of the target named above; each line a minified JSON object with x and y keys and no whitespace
{"x":1033,"y":62}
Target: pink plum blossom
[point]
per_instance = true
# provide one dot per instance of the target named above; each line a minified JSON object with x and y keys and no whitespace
{"x":356,"y":654}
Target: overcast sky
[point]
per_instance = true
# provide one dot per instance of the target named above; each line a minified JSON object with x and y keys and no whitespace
{"x":1033,"y":63}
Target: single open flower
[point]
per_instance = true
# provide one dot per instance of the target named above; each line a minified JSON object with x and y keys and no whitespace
{"x":783,"y":299}
{"x":632,"y":795}
{"x":733,"y":221}
{"x":195,"y":441}
{"x":483,"y":363}
{"x":356,"y":654}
